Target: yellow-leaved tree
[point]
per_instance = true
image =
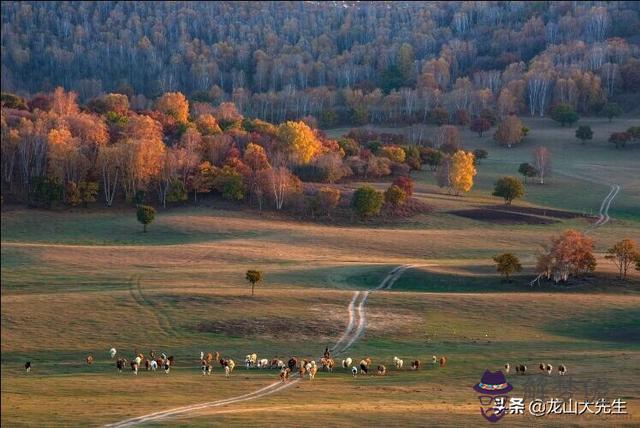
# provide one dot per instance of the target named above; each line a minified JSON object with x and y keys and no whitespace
{"x":298,"y":141}
{"x":462,"y":171}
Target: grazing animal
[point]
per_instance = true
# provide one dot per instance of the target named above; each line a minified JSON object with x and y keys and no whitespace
{"x":172,"y":361}
{"x":134,"y":367}
{"x":364,"y":367}
{"x":284,"y":374}
{"x":206,"y":367}
{"x":147,"y":364}
{"x":549,"y":369}
{"x":521,"y":369}
{"x":382,"y":370}
{"x":159,"y":362}
{"x":201,"y":355}
{"x":251,"y":360}
{"x":89,"y":359}
{"x":27,"y":366}
{"x":562,"y":370}
{"x":301,"y":371}
{"x":354,"y":371}
{"x":216,"y":356}
{"x":280,"y":364}
{"x":154,"y":365}
{"x":398,"y":362}
{"x":164,"y":356}
{"x":415,"y":365}
{"x":312,"y":372}
{"x":292,"y":363}
{"x":152,"y":354}
{"x":507,"y":367}
{"x":346,"y":363}
{"x":228,"y":365}
{"x":120,"y":363}
{"x":209,"y":357}
{"x":327,"y":364}
{"x":138,"y":360}
{"x":167,"y":366}
{"x":112,"y":352}
{"x":434,"y":360}
{"x":443,"y":361}
{"x":263,"y":363}
{"x":542,"y":367}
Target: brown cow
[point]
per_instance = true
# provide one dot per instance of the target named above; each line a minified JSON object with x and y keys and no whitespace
{"x":284,"y":374}
{"x":89,"y":359}
{"x":443,"y":361}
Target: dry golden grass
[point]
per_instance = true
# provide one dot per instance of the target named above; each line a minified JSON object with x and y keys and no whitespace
{"x":82,"y":281}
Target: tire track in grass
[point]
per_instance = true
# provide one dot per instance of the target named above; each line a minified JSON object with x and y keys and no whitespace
{"x":135,"y":289}
{"x":349,"y":336}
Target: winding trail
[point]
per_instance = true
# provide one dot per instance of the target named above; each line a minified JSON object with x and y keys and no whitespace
{"x":603,"y":214}
{"x":603,"y":217}
{"x":356,"y":327}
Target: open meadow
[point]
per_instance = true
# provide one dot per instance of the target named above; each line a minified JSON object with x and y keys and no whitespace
{"x":82,"y":281}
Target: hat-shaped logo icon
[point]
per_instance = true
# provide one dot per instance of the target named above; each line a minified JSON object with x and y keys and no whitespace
{"x":493,"y":383}
{"x":493,"y":389}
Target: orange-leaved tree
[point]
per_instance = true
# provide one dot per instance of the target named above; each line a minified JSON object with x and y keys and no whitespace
{"x":569,"y":254}
{"x":623,"y":253}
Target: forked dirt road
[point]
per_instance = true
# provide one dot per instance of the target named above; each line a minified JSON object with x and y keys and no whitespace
{"x":356,"y":327}
{"x":603,"y":214}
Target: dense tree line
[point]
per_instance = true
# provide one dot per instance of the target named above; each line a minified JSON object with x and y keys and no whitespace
{"x":342,"y":62}
{"x":55,"y":150}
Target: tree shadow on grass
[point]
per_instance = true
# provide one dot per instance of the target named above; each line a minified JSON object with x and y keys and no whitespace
{"x":614,"y":325}
{"x":439,"y":282}
{"x":356,"y":276}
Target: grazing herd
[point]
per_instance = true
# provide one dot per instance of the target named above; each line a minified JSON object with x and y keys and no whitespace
{"x":521,"y":369}
{"x":151,"y":363}
{"x":304,"y":367}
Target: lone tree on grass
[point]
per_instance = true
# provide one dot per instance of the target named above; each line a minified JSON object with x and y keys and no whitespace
{"x":146,"y":215}
{"x":620,"y":139}
{"x":367,"y":201}
{"x":623,"y":254}
{"x":584,"y":133}
{"x":612,"y":110}
{"x":564,"y":114}
{"x":507,"y":264}
{"x":509,"y":188}
{"x":527,"y":170}
{"x":510,"y":131}
{"x":254,"y":277}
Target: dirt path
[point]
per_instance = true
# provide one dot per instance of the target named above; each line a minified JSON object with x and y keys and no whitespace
{"x":603,"y":214}
{"x":356,"y":327}
{"x":603,"y":217}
